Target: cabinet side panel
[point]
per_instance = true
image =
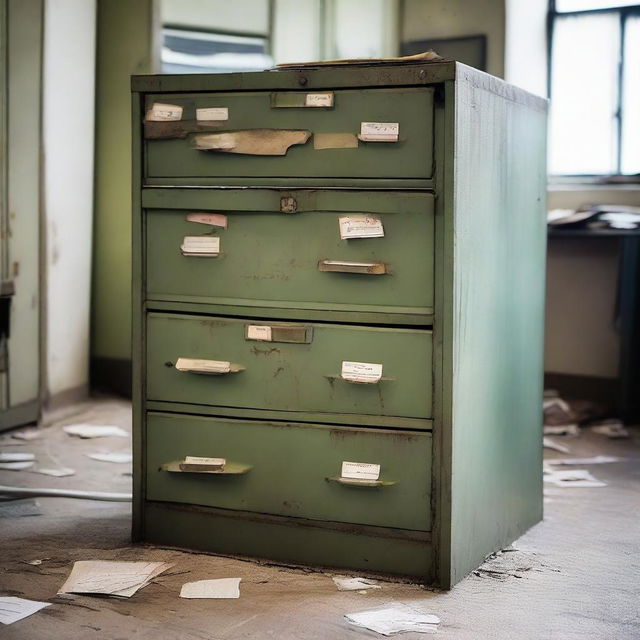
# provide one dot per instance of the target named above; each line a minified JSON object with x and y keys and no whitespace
{"x":499,"y":243}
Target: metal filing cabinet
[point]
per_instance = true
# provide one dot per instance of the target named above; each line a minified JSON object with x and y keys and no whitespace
{"x":339,"y":264}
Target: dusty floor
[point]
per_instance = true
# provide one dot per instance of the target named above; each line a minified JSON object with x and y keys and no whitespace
{"x":576,"y":576}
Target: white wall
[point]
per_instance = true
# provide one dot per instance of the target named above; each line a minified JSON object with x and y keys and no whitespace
{"x":296,"y":31}
{"x":243,"y":16}
{"x":68,"y":138}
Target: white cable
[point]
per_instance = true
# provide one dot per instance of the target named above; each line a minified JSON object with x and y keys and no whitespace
{"x":28,"y":492}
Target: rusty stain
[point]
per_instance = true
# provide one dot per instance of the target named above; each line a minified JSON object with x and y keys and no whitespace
{"x":264,"y":352}
{"x":278,"y":371}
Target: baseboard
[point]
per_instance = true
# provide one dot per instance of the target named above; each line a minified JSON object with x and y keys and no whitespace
{"x":111,"y":375}
{"x":67,"y":398}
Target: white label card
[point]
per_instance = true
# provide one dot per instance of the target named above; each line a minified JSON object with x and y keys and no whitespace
{"x":360,"y":227}
{"x":319,"y":100}
{"x":213,"y":113}
{"x":259,"y":332}
{"x":365,"y":372}
{"x":160,"y":112}
{"x":360,"y":471}
{"x":379,"y":131}
{"x":200,"y":245}
{"x":211,"y":462}
{"x":203,"y":366}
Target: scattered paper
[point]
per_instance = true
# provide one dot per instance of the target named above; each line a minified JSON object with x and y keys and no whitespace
{"x":393,"y":618}
{"x":94,"y":431}
{"x":561,"y":430}
{"x":379,"y":131}
{"x":200,"y":246}
{"x":363,"y":372}
{"x":360,"y":227}
{"x":210,"y":114}
{"x":611,"y":430}
{"x":360,"y":470}
{"x":581,"y":461}
{"x":111,"y":457}
{"x":16,"y":457}
{"x":58,"y":472}
{"x":30,"y":434}
{"x":19,"y":508}
{"x":548,"y":443}
{"x":572,"y":478}
{"x":14,"y":609}
{"x":219,"y":588}
{"x":344,"y":583}
{"x":16,"y":466}
{"x":259,"y":332}
{"x":111,"y":577}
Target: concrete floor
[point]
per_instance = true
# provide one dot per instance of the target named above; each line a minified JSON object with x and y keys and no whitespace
{"x":576,"y":576}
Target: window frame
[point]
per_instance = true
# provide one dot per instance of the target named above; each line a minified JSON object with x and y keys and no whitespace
{"x":624,"y":11}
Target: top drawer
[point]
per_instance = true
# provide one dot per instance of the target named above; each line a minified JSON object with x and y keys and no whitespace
{"x":411,"y":156}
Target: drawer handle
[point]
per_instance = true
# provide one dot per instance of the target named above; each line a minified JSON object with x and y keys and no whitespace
{"x":356,"y":482}
{"x":344,"y":266}
{"x":230,"y":468}
{"x":207,"y":367}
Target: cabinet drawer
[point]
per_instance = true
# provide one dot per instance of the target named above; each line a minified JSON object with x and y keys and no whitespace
{"x":411,"y":156}
{"x":292,"y":470}
{"x":299,"y":370}
{"x":270,"y":257}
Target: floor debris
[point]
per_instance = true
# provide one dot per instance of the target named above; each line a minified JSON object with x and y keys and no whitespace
{"x":573,"y":478}
{"x":19,"y":508}
{"x":16,"y":457}
{"x":16,"y":466}
{"x":29,"y":434}
{"x":548,"y":443}
{"x":561,"y":430}
{"x":217,"y":588}
{"x":580,"y":461}
{"x":94,"y":431}
{"x":345,"y":583}
{"x":14,"y":609}
{"x":611,"y":428}
{"x":111,"y":578}
{"x":111,"y":457}
{"x":59,"y":472}
{"x":395,"y":617}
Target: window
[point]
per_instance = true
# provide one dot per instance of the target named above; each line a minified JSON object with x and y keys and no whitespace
{"x":594,"y":124}
{"x":187,"y":51}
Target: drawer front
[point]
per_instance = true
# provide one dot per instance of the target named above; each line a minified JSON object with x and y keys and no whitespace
{"x":411,"y":156}
{"x":291,"y":470}
{"x":270,"y":257}
{"x":299,"y":370}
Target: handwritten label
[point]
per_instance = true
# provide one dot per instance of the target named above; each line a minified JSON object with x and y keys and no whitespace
{"x":360,"y":470}
{"x":319,"y":100}
{"x":213,"y":219}
{"x":360,"y":227}
{"x":160,"y":112}
{"x":200,"y":246}
{"x":363,"y":372}
{"x":212,"y":113}
{"x":203,"y":366}
{"x":259,"y":332}
{"x":207,"y":462}
{"x":379,"y":131}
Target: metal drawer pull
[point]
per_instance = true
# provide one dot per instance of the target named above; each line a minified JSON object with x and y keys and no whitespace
{"x":230,"y":468}
{"x":207,"y":367}
{"x":353,"y":482}
{"x":343,"y":266}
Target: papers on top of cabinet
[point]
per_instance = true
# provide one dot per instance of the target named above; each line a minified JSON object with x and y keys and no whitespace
{"x":395,"y":617}
{"x":360,"y":227}
{"x":361,"y":372}
{"x":203,"y":246}
{"x":161,"y":112}
{"x":217,"y":588}
{"x":110,"y":577}
{"x":14,"y":609}
{"x":379,"y":131}
{"x":360,"y":470}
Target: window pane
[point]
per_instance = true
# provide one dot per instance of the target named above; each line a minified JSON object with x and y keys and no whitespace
{"x":583,"y":127}
{"x":631,"y":98}
{"x":585,"y":5}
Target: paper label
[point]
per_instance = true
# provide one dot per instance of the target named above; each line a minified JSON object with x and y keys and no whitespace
{"x":214,"y":219}
{"x":201,"y":245}
{"x":164,"y":112}
{"x":366,"y":372}
{"x":360,"y":227}
{"x":259,"y":332}
{"x":319,"y":100}
{"x":203,"y":366}
{"x":360,"y":470}
{"x":379,"y":131}
{"x":212,"y":113}
{"x":211,"y":462}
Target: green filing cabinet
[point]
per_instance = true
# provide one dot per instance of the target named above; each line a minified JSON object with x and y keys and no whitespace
{"x":338,"y":296}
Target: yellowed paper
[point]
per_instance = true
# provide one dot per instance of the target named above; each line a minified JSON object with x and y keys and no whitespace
{"x":319,"y":100}
{"x":259,"y":332}
{"x":213,"y":219}
{"x":335,"y":141}
{"x":257,"y":142}
{"x":360,"y":470}
{"x":160,"y":112}
{"x":195,"y":365}
{"x":200,"y":246}
{"x":362,"y":372}
{"x":379,"y":131}
{"x":360,"y":227}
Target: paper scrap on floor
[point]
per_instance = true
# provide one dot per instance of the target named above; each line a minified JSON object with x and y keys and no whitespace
{"x":580,"y":461}
{"x":111,"y":457}
{"x":395,"y":617}
{"x":94,"y":431}
{"x":19,"y":508}
{"x":16,"y":457}
{"x":14,"y":609}
{"x":572,"y":478}
{"x":112,"y":578}
{"x":548,"y":443}
{"x":216,"y":588}
{"x":29,"y":434}
{"x":561,"y":430}
{"x":612,"y":429}
{"x":16,"y":466}
{"x":58,"y":472}
{"x":345,"y":583}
